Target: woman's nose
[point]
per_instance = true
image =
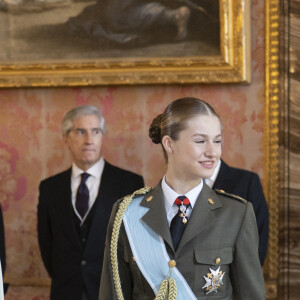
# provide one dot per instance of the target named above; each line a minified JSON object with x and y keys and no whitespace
{"x":210,"y":151}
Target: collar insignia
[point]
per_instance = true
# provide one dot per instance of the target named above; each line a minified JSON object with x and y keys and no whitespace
{"x":211,"y":201}
{"x":213,"y":280}
{"x":149,"y":199}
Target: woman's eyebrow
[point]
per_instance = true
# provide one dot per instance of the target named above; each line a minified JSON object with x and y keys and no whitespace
{"x":205,"y":135}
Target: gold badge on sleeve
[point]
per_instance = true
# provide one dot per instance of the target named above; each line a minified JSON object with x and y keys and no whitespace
{"x":213,"y":280}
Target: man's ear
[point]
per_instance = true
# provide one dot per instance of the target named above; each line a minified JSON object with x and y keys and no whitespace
{"x":167,"y":143}
{"x":65,"y":139}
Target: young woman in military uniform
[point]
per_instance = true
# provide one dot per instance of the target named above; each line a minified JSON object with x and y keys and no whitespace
{"x":181,"y":239}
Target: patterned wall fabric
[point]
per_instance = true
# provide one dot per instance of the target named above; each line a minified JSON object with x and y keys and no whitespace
{"x":31,"y":145}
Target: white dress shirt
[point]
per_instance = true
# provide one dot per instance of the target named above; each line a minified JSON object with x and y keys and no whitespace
{"x":92,"y":182}
{"x":211,"y":180}
{"x":170,"y":196}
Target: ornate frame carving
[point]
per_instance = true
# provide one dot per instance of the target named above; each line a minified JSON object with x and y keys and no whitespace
{"x":271,"y":170}
{"x":232,"y":65}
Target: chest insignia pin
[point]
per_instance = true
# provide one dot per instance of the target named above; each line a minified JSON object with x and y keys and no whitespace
{"x":213,"y":280}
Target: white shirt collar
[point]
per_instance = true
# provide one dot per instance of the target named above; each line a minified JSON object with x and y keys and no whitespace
{"x":216,"y":171}
{"x":95,"y":170}
{"x":170,"y":195}
{"x":211,"y":180}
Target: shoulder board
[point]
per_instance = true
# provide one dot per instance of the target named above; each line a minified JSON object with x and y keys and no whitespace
{"x":221,"y":192}
{"x":142,"y":191}
{"x":137,"y":193}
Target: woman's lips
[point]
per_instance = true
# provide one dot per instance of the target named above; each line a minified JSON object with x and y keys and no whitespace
{"x":207,"y":164}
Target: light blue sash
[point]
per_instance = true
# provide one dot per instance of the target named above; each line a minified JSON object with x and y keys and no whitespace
{"x":150,"y":252}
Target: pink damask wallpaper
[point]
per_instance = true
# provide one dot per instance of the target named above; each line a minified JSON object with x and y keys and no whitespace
{"x":31,"y":146}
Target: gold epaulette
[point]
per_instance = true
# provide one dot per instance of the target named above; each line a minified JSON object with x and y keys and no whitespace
{"x":137,"y":193}
{"x":221,"y":192}
{"x":143,"y":190}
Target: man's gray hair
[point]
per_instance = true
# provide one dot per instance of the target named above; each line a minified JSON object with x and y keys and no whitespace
{"x":77,"y":112}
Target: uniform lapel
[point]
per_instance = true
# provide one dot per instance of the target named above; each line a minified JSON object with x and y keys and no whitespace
{"x":202,"y":215}
{"x":65,"y":208}
{"x":156,"y":217}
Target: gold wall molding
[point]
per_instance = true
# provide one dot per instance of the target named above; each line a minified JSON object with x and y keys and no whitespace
{"x":271,"y":138}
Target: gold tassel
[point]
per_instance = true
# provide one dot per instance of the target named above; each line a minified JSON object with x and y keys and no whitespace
{"x":167,"y":290}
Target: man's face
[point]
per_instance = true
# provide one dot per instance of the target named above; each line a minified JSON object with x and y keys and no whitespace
{"x":84,"y":141}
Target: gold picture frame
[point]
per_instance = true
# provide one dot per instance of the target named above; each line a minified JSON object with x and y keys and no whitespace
{"x":232,"y":65}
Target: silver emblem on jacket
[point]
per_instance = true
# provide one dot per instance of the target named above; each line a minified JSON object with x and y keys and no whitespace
{"x":213,"y":280}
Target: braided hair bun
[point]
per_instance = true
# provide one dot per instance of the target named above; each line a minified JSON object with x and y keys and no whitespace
{"x":155,"y":130}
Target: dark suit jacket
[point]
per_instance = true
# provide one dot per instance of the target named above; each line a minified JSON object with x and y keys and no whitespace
{"x":72,"y":266}
{"x":2,"y":243}
{"x":2,"y":250}
{"x":247,"y":185}
{"x":220,"y":226}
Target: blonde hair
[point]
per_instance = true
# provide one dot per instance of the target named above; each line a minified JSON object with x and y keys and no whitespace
{"x":174,"y":118}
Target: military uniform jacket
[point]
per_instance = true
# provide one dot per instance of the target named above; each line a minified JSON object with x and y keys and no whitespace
{"x":221,"y":232}
{"x":246,"y":184}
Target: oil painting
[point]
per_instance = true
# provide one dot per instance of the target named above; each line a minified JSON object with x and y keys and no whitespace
{"x":83,"y":42}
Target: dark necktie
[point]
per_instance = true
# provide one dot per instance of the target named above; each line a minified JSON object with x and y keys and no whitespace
{"x":82,"y":196}
{"x":179,"y":222}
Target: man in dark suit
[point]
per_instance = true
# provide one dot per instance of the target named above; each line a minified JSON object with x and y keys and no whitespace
{"x":1,"y":284}
{"x":2,"y":246}
{"x":74,"y":208}
{"x":245,"y":184}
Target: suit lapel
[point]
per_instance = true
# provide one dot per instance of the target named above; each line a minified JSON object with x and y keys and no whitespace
{"x":65,"y":208}
{"x":223,"y":178}
{"x":156,"y":217}
{"x":202,"y":215}
{"x":107,"y":185}
{"x":103,"y":203}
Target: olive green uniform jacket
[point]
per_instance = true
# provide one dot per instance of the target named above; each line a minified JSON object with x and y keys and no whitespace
{"x":221,"y":231}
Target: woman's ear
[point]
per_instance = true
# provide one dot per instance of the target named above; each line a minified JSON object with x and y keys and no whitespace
{"x":167,"y":143}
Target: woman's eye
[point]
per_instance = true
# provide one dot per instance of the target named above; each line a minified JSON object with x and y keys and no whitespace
{"x":218,"y":141}
{"x":200,"y":141}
